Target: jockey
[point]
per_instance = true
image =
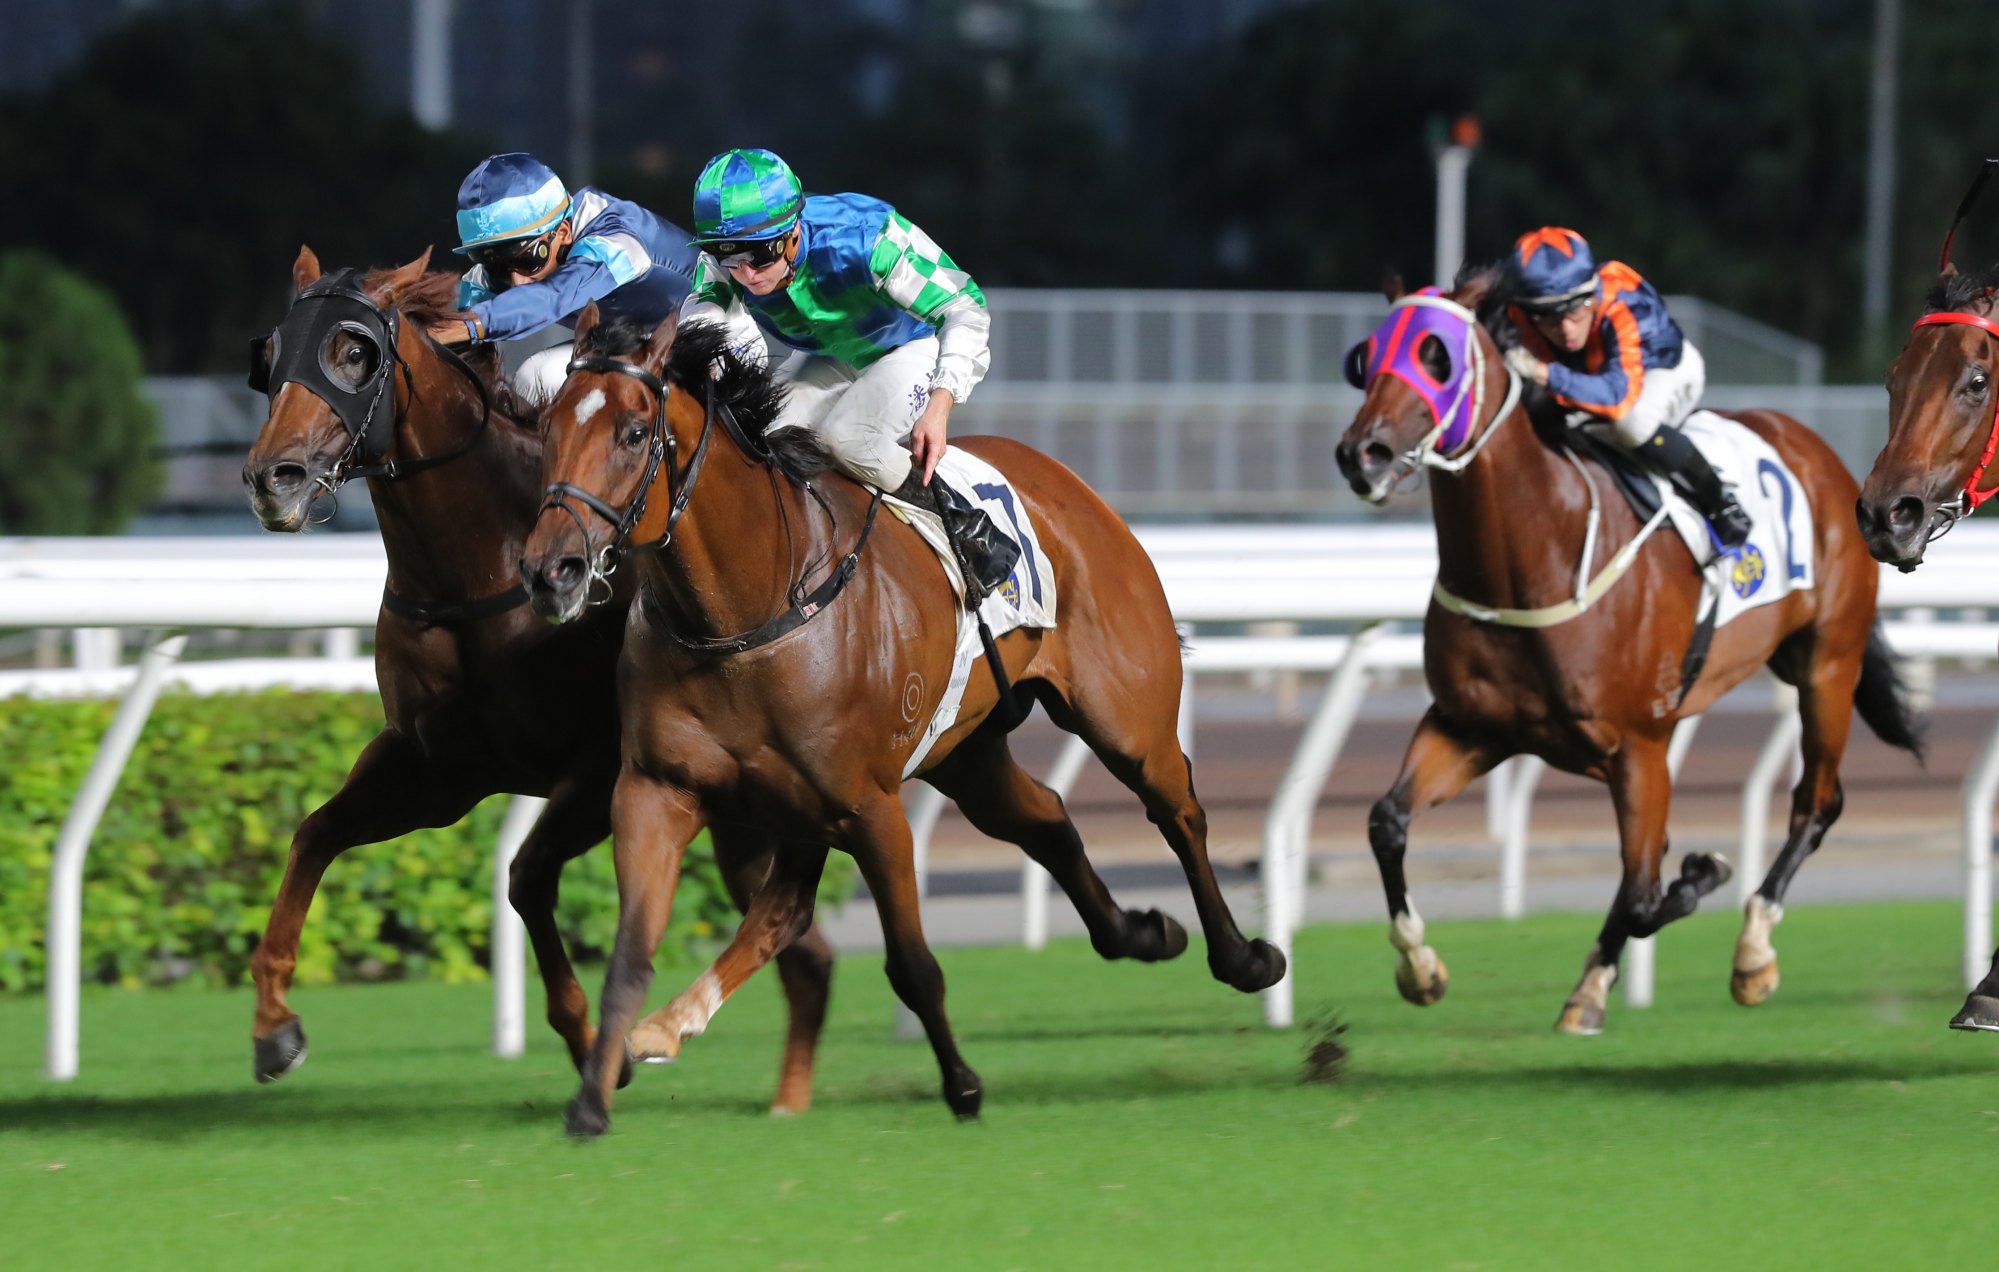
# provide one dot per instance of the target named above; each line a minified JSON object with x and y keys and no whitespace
{"x":888,"y":332}
{"x":1603,"y":344}
{"x":541,"y":254}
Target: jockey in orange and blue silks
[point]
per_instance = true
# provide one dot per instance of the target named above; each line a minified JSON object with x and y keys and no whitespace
{"x":1602,"y":343}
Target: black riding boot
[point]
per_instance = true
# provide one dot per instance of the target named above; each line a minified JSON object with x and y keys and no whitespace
{"x":985,"y":556}
{"x":1680,"y":462}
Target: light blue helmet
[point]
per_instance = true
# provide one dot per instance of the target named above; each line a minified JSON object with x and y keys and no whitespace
{"x":510,"y":196}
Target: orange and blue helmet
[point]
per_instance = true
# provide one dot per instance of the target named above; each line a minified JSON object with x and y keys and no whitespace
{"x":1553,"y":270}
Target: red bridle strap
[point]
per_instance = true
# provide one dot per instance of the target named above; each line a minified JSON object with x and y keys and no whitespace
{"x":1973,"y":497}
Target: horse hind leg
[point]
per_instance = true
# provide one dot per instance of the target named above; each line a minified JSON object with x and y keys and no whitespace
{"x":1435,"y":767}
{"x":1980,"y":1012}
{"x":1137,"y":741}
{"x":1004,"y":802}
{"x":1825,"y":710}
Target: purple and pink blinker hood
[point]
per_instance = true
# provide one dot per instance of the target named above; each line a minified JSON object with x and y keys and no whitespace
{"x":1391,"y":350}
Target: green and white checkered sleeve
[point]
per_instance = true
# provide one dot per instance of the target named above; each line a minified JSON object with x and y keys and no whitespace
{"x":911,"y":270}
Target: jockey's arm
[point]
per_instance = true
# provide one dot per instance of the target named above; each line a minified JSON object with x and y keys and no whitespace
{"x":1611,"y":391}
{"x":528,"y":308}
{"x":715,"y":299}
{"x":912,"y":271}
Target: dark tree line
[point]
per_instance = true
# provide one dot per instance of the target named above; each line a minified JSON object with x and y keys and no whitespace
{"x":1720,"y":147}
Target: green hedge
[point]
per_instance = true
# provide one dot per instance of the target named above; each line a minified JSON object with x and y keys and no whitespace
{"x":187,"y":860}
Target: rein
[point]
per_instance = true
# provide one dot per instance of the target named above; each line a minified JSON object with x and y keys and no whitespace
{"x":680,"y":488}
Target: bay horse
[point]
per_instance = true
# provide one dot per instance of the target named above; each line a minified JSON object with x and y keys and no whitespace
{"x":1599,"y":692}
{"x":480,"y":696}
{"x":1943,"y":417}
{"x":787,"y":646}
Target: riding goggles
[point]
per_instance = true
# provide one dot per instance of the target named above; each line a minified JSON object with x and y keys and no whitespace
{"x":501,"y":259}
{"x":755,"y":253}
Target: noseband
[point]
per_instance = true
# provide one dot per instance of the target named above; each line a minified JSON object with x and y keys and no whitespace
{"x":660,"y":451}
{"x":1969,"y":498}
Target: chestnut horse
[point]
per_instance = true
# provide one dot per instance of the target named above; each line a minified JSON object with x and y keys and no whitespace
{"x":1943,"y":414}
{"x":781,"y":627}
{"x":1600,"y":692}
{"x":481,"y":696}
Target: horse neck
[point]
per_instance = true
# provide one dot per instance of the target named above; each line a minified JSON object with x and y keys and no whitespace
{"x":748,"y":531}
{"x":454,"y":531}
{"x":1509,"y":524}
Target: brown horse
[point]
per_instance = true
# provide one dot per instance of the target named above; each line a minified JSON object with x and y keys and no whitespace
{"x":1600,"y":693}
{"x":481,"y":696}
{"x":1943,"y":413}
{"x":737,"y":709}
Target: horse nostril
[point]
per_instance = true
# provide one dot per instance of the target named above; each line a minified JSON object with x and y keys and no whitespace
{"x":1906,"y":514}
{"x":1379,"y":456}
{"x":283,"y":479}
{"x":566,"y":573}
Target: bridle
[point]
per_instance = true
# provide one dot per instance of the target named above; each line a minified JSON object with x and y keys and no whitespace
{"x":660,"y":451}
{"x":1471,"y":356}
{"x":333,"y":304}
{"x":1969,"y":497}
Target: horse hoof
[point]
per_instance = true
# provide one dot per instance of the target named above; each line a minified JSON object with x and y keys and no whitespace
{"x":1417,"y":988}
{"x":280,"y":1053}
{"x":964,"y":1093}
{"x":1261,"y":967}
{"x":1580,"y":1020}
{"x":586,"y":1117}
{"x":1753,"y":989}
{"x":625,"y":1073}
{"x":1980,"y":1014}
{"x":1154,"y":937}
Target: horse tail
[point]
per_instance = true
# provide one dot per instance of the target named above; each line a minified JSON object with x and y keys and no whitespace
{"x":1882,"y":698}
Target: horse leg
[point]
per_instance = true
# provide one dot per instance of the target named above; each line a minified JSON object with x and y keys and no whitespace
{"x":1825,"y":709}
{"x":576,"y":819}
{"x":779,"y":913}
{"x":1981,"y":1007}
{"x":1002,"y":801}
{"x":391,"y":790}
{"x":1641,"y":788}
{"x":1144,"y":754}
{"x":1434,"y":768}
{"x":883,"y":849}
{"x":651,"y":824}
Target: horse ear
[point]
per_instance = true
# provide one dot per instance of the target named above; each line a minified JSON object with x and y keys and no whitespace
{"x":1949,"y":271}
{"x":661,"y":344}
{"x":305,"y":270}
{"x":1391,"y":284}
{"x":585,"y":321}
{"x":404,"y":278}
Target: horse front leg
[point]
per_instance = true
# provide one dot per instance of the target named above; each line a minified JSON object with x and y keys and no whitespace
{"x":1641,"y":788}
{"x":576,"y":819}
{"x":1436,"y":767}
{"x":392,"y":789}
{"x":651,"y":825}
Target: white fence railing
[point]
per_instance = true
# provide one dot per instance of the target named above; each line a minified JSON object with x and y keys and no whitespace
{"x":1369,"y":577}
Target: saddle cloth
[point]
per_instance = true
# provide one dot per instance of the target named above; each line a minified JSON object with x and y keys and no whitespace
{"x":1777,"y":560}
{"x":1026,"y":598}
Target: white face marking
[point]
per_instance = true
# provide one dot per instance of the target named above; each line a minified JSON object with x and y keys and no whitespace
{"x":592,"y":402}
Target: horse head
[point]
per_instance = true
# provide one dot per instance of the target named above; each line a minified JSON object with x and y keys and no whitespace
{"x":1941,"y":423}
{"x":338,"y":373}
{"x":609,"y":435}
{"x":1427,"y":370}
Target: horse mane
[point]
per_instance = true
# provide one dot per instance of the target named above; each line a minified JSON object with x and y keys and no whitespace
{"x":432,"y":299}
{"x":1491,"y":290}
{"x":703,"y":364}
{"x":1960,"y":291}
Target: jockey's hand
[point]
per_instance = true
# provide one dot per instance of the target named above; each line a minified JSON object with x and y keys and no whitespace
{"x":926,"y":440}
{"x":1526,"y":365}
{"x":451,"y":332}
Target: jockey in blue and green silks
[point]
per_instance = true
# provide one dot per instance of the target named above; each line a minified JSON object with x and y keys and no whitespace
{"x":541,"y":254}
{"x":1603,"y":344}
{"x":886,"y":332}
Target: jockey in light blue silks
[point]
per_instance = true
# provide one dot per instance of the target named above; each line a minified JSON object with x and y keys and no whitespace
{"x":1603,"y":344}
{"x":542,"y":253}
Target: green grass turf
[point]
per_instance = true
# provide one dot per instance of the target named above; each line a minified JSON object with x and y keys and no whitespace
{"x":1135,"y":1117}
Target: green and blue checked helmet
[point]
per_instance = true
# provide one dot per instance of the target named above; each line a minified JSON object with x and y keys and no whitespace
{"x":508,"y":197}
{"x":745,"y":196}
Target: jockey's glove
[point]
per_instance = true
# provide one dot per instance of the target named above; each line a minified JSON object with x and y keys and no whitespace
{"x":1527,"y":366}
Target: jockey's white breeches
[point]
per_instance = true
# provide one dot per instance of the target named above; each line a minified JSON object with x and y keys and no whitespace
{"x":1665,"y":399}
{"x":862,"y":416}
{"x":539,"y":378}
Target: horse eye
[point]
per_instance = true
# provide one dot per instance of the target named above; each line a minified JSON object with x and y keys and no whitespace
{"x":1977,"y":383}
{"x":356,"y":354}
{"x":635,"y":434}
